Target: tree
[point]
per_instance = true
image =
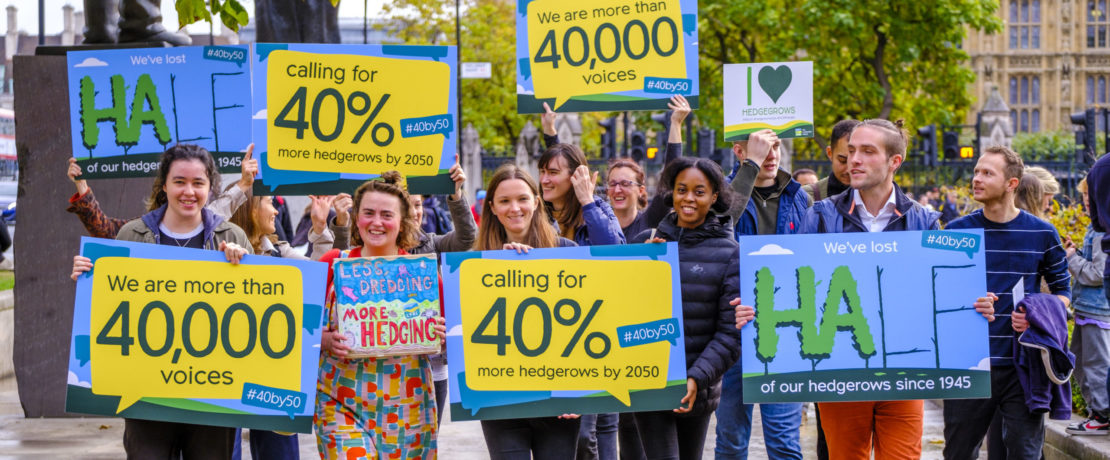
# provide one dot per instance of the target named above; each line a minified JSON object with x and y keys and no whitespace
{"x":230,"y":12}
{"x":488,"y":29}
{"x":872,"y":58}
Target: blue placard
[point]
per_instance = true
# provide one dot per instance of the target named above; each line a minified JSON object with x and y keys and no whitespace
{"x":127,"y":106}
{"x":864,"y":317}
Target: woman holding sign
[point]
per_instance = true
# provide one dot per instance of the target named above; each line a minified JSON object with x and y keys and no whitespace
{"x":514,"y":219}
{"x":187,"y":178}
{"x":375,"y":407}
{"x":710,"y":270}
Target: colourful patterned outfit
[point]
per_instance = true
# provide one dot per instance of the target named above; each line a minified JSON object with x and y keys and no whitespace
{"x":374,"y":408}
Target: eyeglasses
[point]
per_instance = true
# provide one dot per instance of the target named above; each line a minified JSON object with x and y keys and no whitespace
{"x":624,"y":184}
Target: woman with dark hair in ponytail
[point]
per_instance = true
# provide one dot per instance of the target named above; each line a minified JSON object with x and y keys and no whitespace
{"x":375,"y":407}
{"x":709,"y":264}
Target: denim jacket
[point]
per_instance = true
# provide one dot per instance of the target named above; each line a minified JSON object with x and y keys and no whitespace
{"x":1086,"y":268}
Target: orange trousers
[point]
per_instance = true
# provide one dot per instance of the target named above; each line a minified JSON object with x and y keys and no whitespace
{"x":894,"y":428}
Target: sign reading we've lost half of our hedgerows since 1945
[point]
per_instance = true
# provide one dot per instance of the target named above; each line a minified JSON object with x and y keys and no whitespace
{"x":861,"y":324}
{"x":128,"y":105}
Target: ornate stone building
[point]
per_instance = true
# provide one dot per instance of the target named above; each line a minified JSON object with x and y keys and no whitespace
{"x":1052,"y":58}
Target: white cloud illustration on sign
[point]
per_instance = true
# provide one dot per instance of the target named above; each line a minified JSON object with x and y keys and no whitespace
{"x":772,"y":250}
{"x":92,"y":62}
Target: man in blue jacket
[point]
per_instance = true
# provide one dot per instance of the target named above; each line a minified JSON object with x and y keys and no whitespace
{"x":1021,"y":250}
{"x":770,"y":203}
{"x":874,"y":203}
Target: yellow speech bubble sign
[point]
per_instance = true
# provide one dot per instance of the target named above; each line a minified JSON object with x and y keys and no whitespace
{"x":193,"y":329}
{"x":538,"y":325}
{"x":585,"y":47}
{"x":343,"y":113}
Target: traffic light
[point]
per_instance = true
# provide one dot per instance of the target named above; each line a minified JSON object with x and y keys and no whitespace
{"x":637,"y":146}
{"x":951,"y":144}
{"x":662,"y":134}
{"x":928,"y":135}
{"x":967,"y":152}
{"x":609,"y":137}
{"x":1085,"y":136}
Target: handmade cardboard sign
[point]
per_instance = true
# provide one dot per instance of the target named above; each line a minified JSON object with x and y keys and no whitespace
{"x":387,"y":306}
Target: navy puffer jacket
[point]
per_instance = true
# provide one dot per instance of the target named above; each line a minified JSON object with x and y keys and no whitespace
{"x":710,"y":273}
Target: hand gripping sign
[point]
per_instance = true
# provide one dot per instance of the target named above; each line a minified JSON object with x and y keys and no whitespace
{"x":859,"y":323}
{"x":559,"y":331}
{"x":327,"y":117}
{"x":589,"y":55}
{"x":179,"y":334}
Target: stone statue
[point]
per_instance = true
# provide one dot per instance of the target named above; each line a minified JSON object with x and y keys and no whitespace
{"x":128,"y":21}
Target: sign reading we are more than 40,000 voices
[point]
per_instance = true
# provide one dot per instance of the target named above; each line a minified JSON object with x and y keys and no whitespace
{"x":563,"y":331}
{"x":328,"y":117}
{"x":593,"y":56}
{"x":178,"y":334}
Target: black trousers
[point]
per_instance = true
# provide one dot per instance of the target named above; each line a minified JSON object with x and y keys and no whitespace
{"x":667,"y":436}
{"x":154,"y":440}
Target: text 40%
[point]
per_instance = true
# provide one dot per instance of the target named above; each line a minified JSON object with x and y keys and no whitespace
{"x":498,"y":312}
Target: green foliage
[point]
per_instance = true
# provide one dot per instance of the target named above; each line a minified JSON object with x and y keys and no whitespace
{"x":488,"y":33}
{"x":872,"y":58}
{"x":230,"y":12}
{"x":1051,"y":145}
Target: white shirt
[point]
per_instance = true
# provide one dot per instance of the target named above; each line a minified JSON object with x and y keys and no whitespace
{"x":879,"y":222}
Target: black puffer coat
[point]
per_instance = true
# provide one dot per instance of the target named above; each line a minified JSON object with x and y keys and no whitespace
{"x":710,"y":271}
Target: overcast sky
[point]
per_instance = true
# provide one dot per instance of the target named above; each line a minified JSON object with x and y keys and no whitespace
{"x":28,"y":20}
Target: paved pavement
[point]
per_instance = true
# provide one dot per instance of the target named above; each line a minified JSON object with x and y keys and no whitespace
{"x":95,"y":438}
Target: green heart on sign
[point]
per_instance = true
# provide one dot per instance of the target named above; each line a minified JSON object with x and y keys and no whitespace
{"x":775,"y":81}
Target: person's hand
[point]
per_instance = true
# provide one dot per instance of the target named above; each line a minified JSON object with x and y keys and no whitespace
{"x":233,"y":251}
{"x":458,"y":176}
{"x":81,"y":264}
{"x":1018,"y":321}
{"x":74,"y":171}
{"x":335,"y":343}
{"x":520,"y":248}
{"x":342,"y":205}
{"x":583,"y":183}
{"x":688,"y":400}
{"x":248,"y":168}
{"x":680,"y":108}
{"x":568,"y":416}
{"x":547,"y":120}
{"x":985,"y":306}
{"x":1069,"y":247}
{"x":744,"y":313}
{"x":759,"y":145}
{"x":319,"y":212}
{"x":441,"y":328}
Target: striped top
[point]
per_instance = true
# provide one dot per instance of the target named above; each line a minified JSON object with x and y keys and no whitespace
{"x":1025,"y":248}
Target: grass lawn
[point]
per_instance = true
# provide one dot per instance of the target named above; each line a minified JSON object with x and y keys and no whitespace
{"x":7,"y":279}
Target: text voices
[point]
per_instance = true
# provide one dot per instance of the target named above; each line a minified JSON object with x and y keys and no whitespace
{"x":816,"y":339}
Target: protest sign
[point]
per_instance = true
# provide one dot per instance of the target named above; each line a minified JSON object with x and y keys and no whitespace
{"x":559,"y":331}
{"x":127,"y":106}
{"x":387,"y":306}
{"x":328,"y":117}
{"x":864,"y":317}
{"x":774,"y":95}
{"x":179,"y":334}
{"x":590,"y":56}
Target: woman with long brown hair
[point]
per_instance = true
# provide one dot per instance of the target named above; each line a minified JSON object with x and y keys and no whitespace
{"x":514,"y":219}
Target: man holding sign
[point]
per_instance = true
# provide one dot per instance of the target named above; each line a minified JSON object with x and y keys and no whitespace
{"x":1021,"y":250}
{"x":876,"y":148}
